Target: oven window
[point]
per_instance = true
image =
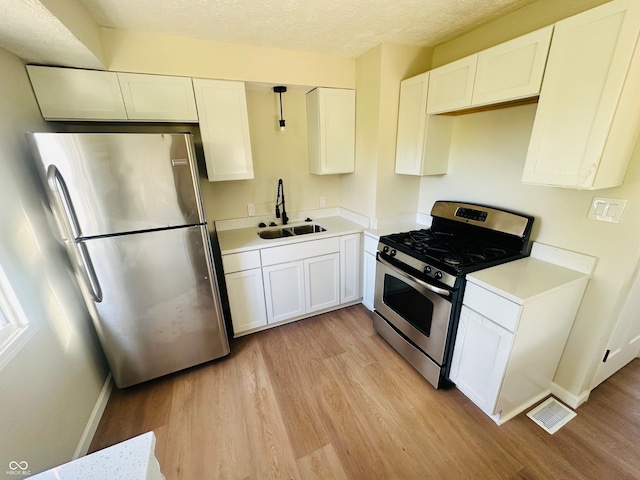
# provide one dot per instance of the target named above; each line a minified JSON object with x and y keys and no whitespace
{"x":409,"y":303}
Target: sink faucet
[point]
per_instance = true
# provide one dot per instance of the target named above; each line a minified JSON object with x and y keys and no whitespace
{"x":280,"y":194}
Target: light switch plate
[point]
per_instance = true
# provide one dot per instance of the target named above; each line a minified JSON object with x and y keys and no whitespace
{"x":251,"y":209}
{"x":606,"y":209}
{"x":323,"y":202}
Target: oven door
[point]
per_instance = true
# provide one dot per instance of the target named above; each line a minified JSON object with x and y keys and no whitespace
{"x":420,"y":311}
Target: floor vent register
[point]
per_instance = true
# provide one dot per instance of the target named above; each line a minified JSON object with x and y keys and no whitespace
{"x":551,"y":415}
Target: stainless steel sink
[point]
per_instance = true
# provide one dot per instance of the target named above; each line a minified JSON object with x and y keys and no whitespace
{"x":275,"y":233}
{"x":291,"y":231}
{"x":311,"y":228}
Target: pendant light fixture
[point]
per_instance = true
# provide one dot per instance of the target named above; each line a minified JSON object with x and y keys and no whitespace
{"x":280,"y":90}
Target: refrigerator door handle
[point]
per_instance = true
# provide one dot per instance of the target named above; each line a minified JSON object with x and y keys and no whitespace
{"x":59,"y":187}
{"x":89,"y":273}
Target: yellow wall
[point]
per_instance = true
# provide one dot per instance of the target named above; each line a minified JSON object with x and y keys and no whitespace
{"x":396,"y":194}
{"x":374,"y":190}
{"x":486,"y":163}
{"x":131,"y":51}
{"x":49,"y":388}
{"x":274,"y":156}
{"x":358,"y":190}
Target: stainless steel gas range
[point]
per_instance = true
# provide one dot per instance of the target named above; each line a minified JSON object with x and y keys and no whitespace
{"x":420,"y":278}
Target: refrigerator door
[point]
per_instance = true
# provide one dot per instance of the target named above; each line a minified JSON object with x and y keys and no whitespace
{"x":158,"y":309}
{"x":118,"y":183}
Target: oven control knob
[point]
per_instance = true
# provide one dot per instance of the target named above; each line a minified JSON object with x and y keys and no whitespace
{"x":392,"y":253}
{"x":385,"y":249}
{"x":438,"y":275}
{"x":427,"y":269}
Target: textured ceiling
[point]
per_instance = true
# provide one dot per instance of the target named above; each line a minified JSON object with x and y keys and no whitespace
{"x":29,"y":30}
{"x":67,"y":32}
{"x":337,"y":27}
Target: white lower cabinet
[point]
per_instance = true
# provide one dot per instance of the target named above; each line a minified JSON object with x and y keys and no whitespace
{"x":369,"y":271}
{"x":288,"y":282}
{"x":480,"y":358}
{"x":350,"y":271}
{"x":284,"y":290}
{"x":513,"y":327}
{"x":322,"y":282}
{"x":246,"y":299}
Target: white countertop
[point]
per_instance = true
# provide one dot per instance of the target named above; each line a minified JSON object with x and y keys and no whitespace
{"x":245,"y":239}
{"x":523,"y":280}
{"x":130,"y":460}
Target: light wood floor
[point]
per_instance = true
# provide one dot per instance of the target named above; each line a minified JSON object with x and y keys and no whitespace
{"x":326,"y":398}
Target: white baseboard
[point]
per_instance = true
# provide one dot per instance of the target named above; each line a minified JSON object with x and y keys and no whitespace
{"x":94,"y":419}
{"x":574,"y":401}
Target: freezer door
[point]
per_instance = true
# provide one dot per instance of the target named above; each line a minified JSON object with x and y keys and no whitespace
{"x":115,"y":183}
{"x":159,"y":309}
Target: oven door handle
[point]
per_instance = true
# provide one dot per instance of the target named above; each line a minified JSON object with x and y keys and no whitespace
{"x":438,"y":290}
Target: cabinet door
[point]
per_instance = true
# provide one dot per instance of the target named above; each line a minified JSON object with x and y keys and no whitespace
{"x":322,"y":282}
{"x":71,"y":94}
{"x":331,"y":127}
{"x":158,"y":97}
{"x":580,"y":100}
{"x":350,"y":273}
{"x":224,"y":127}
{"x":513,"y":69}
{"x":284,"y":290}
{"x":412,"y":116}
{"x":480,"y":357}
{"x":368,"y":280}
{"x":451,"y":86}
{"x":246,"y":300}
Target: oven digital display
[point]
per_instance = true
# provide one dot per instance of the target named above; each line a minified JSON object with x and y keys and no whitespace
{"x":471,"y":214}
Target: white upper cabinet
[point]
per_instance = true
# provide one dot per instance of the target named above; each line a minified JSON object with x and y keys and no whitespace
{"x":75,"y":94}
{"x":451,"y":85}
{"x":71,"y":94}
{"x":412,"y":117}
{"x":158,"y":97}
{"x":224,"y":127}
{"x":512,"y":70}
{"x":423,"y":141}
{"x":331,"y":127}
{"x":587,"y":119}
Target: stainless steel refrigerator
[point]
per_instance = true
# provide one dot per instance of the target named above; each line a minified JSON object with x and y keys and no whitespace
{"x":129,"y":210}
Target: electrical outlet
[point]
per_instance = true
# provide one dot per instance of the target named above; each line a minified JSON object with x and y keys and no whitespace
{"x":323,"y":202}
{"x":606,"y":209}
{"x":251,"y":209}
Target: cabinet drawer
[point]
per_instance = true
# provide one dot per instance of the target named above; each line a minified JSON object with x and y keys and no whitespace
{"x":370,"y":244}
{"x":500,"y":310}
{"x":236,"y":262}
{"x":299,"y":251}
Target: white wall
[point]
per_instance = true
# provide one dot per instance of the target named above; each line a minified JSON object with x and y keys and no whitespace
{"x":49,"y":388}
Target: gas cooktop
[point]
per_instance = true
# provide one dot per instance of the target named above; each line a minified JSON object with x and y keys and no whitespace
{"x":441,"y":248}
{"x":463,"y":238}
